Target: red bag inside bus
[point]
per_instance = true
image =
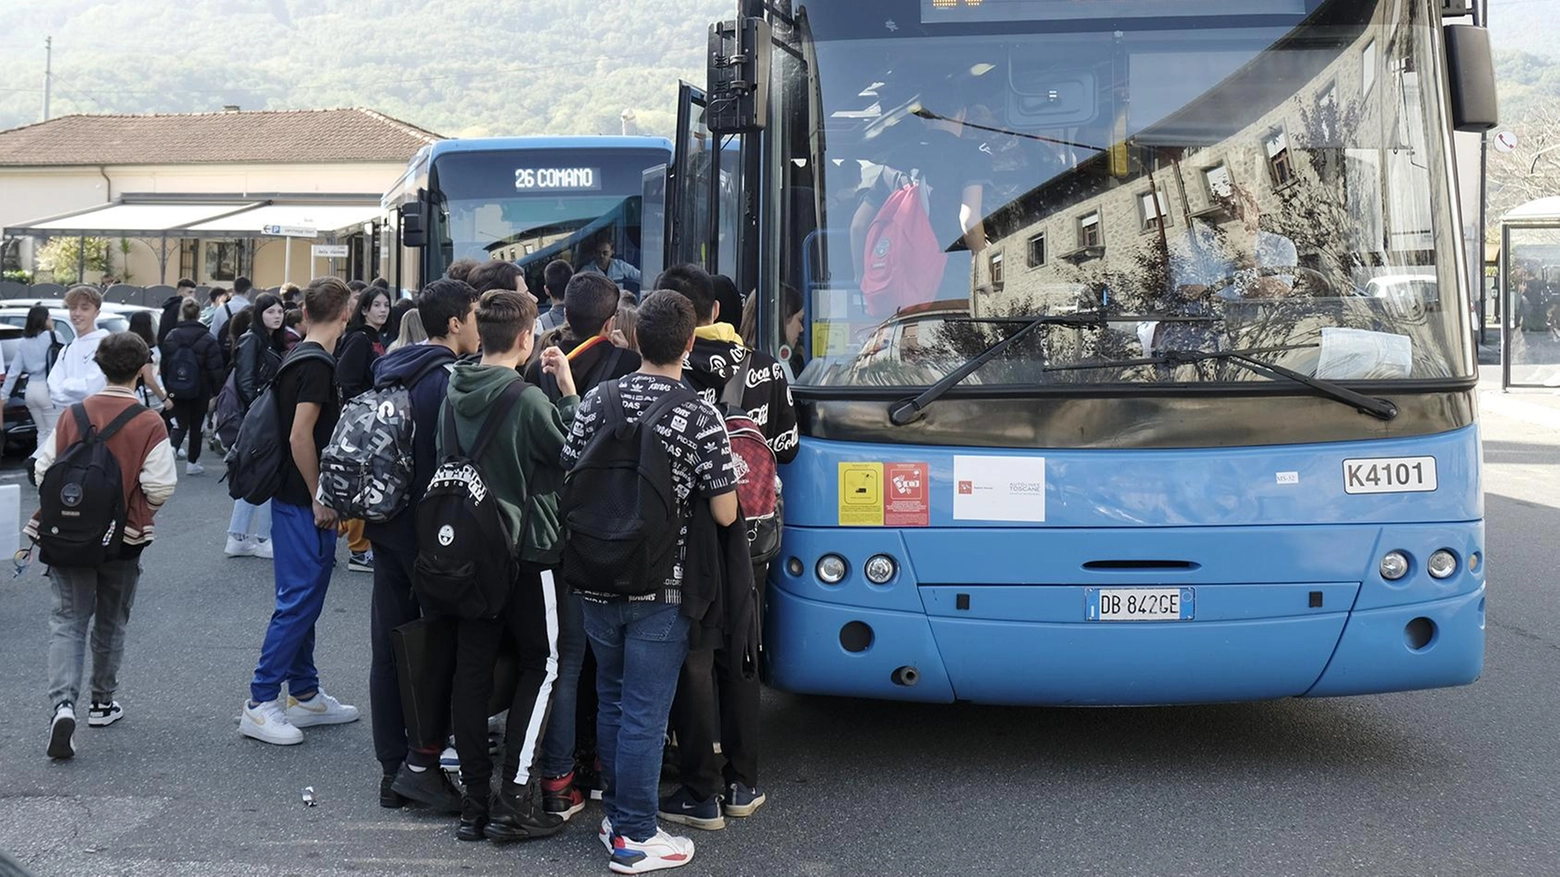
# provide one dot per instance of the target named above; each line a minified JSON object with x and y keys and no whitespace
{"x":904,"y":263}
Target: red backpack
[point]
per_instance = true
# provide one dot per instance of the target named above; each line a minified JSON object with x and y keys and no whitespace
{"x":758,"y":481}
{"x":904,"y":262}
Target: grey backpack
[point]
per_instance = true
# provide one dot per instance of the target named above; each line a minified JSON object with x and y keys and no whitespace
{"x":366,"y":472}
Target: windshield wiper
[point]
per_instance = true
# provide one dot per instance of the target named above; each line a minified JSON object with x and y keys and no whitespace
{"x":1381,"y":409}
{"x":908,"y":411}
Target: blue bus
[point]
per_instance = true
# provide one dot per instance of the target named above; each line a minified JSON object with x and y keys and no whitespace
{"x":526,"y":199}
{"x":1136,"y":364}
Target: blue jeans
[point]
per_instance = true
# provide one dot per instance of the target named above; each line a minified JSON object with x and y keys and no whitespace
{"x":304,"y":557}
{"x":639,"y":650}
{"x":250,"y":520}
{"x":557,"y":757}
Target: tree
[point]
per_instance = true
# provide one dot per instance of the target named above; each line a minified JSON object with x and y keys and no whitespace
{"x":64,"y":258}
{"x":1530,"y":171}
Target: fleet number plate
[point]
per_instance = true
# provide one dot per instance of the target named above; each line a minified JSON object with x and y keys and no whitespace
{"x":1390,"y":475}
{"x":1139,"y":604}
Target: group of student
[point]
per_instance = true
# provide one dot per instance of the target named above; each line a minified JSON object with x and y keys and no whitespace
{"x":520,"y":408}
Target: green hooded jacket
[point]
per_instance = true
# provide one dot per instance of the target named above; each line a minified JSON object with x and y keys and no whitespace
{"x":521,"y":466}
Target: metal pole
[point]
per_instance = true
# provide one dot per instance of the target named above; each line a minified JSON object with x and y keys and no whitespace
{"x":287,"y":262}
{"x":81,"y":259}
{"x":48,"y":74}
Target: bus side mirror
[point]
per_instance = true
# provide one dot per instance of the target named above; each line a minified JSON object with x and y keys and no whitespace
{"x":740,"y":55}
{"x":414,"y":225}
{"x":1471,"y":71}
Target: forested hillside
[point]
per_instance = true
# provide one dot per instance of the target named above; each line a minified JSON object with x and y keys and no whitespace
{"x":458,"y":67}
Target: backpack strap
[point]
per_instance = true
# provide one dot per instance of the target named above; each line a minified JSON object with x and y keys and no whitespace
{"x":735,"y":387}
{"x":496,"y":417}
{"x":83,"y":422}
{"x":130,"y":413}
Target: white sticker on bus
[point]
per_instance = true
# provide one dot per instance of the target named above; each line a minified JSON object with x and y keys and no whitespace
{"x":1390,"y":475}
{"x":999,"y":489}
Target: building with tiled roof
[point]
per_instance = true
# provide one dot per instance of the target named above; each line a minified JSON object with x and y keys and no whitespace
{"x":197,"y":190}
{"x":271,"y":136}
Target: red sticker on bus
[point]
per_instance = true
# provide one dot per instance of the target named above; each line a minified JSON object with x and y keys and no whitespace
{"x":905,"y":499}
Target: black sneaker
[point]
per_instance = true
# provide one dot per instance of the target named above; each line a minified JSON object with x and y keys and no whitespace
{"x":473,"y":819}
{"x":389,"y":798}
{"x":517,"y":814}
{"x":683,"y":808}
{"x":587,"y":776}
{"x":361,"y":561}
{"x":429,"y":786}
{"x":101,"y":715}
{"x":62,"y":731}
{"x":561,"y":796}
{"x":742,"y":801}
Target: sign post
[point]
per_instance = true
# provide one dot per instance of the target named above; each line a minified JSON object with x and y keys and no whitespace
{"x":288,"y":232}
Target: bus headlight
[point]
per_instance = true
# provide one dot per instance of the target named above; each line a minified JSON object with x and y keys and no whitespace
{"x":1394,"y":566}
{"x":831,"y":569}
{"x":1441,"y":564}
{"x":880,"y":569}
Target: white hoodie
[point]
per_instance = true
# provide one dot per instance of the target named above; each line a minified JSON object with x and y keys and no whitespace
{"x":76,"y":375}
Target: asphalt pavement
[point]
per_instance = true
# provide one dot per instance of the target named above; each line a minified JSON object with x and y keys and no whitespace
{"x":1461,"y":781}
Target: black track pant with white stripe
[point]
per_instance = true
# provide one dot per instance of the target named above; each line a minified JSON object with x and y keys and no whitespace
{"x":530,"y":622}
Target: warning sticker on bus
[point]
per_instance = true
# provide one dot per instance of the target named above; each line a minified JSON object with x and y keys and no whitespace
{"x":884,"y":495}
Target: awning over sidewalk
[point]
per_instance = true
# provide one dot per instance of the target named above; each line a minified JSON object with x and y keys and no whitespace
{"x":137,"y":219}
{"x":185,"y":218}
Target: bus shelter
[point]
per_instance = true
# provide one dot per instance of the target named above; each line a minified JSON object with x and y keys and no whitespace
{"x":1530,"y":294}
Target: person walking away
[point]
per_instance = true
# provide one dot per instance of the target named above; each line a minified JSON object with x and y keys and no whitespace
{"x":640,"y":643}
{"x":305,"y":535}
{"x":590,"y":303}
{"x":724,"y":372}
{"x":99,"y":595}
{"x":356,"y":353}
{"x":147,"y":386}
{"x":191,"y":373}
{"x":520,"y":466}
{"x":235,"y":303}
{"x":555,"y":279}
{"x":75,"y":374}
{"x":450,"y":308}
{"x":215,"y":301}
{"x":170,"y":307}
{"x":35,"y":356}
{"x":255,"y":363}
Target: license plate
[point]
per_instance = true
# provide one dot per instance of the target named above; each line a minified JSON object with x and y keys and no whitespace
{"x":1139,"y":604}
{"x":1390,"y":475}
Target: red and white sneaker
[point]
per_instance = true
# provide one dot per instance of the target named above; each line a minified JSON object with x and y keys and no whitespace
{"x":660,"y":852}
{"x":561,"y":797}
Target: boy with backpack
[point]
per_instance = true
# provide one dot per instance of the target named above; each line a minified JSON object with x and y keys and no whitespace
{"x":487,"y":537}
{"x":303,"y":531}
{"x":590,"y":303}
{"x":753,"y":391}
{"x":642,"y":452}
{"x":191,"y":373}
{"x":107,"y":471}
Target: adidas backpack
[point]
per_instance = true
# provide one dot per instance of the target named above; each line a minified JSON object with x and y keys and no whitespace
{"x":904,"y":262}
{"x":81,"y":504}
{"x":618,"y":505}
{"x":183,"y":373}
{"x":466,"y":557}
{"x":255,"y":462}
{"x":366,"y":471}
{"x":758,"y":479}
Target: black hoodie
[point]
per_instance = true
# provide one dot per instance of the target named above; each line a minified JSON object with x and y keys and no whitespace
{"x":590,"y":366}
{"x":718,"y":357}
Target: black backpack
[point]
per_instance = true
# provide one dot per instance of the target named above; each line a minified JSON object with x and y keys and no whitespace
{"x":183,"y":373}
{"x":619,"y":506}
{"x":255,"y":462}
{"x":366,"y":472}
{"x":81,"y":505}
{"x":466,"y":557}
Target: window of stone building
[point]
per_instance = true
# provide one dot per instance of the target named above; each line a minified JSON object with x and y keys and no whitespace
{"x":1037,"y":251}
{"x":1153,"y":212}
{"x":1089,"y":232}
{"x":1280,"y":163}
{"x":998,"y":278}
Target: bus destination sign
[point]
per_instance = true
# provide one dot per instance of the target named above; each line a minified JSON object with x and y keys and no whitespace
{"x":957,"y":11}
{"x":557,"y":179}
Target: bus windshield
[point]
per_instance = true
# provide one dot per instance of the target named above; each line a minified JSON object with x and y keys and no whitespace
{"x":533,"y":206}
{"x":1276,"y":177}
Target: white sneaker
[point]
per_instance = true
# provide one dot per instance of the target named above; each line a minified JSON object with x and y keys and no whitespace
{"x":62,"y":732}
{"x":262,"y":548}
{"x":268,"y":723}
{"x":321,"y":709}
{"x":660,"y":852}
{"x":193,"y":469}
{"x":239,"y":547}
{"x":449,"y":760}
{"x":182,"y":454}
{"x":604,"y":834}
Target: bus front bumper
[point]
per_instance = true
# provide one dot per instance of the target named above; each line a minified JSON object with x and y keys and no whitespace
{"x":815,"y":647}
